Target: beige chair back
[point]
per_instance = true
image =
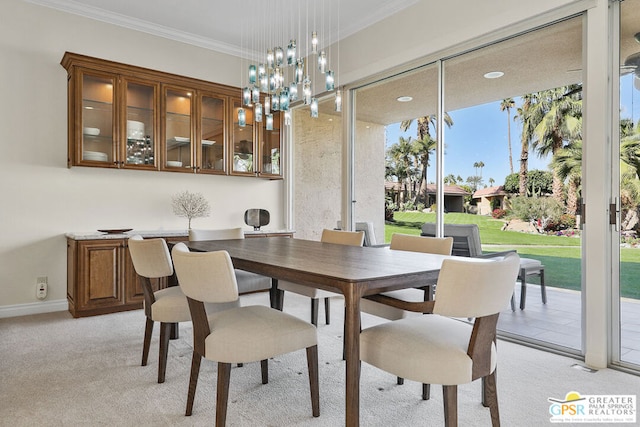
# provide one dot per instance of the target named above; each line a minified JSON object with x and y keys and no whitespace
{"x":367,"y":228}
{"x":471,"y":287}
{"x":150,"y":257}
{"x":430,"y":245}
{"x":220,"y":234}
{"x":205,"y":276}
{"x":349,"y":238}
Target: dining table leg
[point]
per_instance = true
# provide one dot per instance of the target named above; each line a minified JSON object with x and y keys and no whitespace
{"x":352,"y":355}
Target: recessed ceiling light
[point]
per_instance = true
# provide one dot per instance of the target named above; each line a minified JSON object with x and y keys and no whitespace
{"x":404,"y":99}
{"x":494,"y":75}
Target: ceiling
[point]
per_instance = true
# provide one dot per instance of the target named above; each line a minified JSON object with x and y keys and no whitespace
{"x":542,"y":59}
{"x":547,"y":58}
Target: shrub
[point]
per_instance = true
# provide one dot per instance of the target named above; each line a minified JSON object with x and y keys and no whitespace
{"x":564,"y":222}
{"x":540,"y":210}
{"x":498,"y":213}
{"x":408,"y":205}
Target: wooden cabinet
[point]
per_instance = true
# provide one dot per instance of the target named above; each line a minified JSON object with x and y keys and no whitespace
{"x":256,"y":147}
{"x":270,"y":149}
{"x":121,"y":116}
{"x":101,"y":278}
{"x":96,"y":277}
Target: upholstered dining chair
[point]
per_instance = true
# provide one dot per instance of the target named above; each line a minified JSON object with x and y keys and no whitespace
{"x":151,"y":260}
{"x":353,"y":238}
{"x":424,"y":291}
{"x":442,"y":349}
{"x":406,"y":242}
{"x":247,"y":282}
{"x":240,"y":335}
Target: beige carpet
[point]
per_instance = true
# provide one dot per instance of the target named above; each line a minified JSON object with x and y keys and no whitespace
{"x":60,"y":371}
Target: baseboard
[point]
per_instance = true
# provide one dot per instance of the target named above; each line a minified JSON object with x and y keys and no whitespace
{"x":33,"y":308}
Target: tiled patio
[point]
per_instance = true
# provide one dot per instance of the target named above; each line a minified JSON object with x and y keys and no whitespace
{"x":558,"y":321}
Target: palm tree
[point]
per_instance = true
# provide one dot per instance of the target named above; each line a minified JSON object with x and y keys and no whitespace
{"x":567,"y":164}
{"x":474,"y":182}
{"x":401,"y":163}
{"x":491,"y":182}
{"x":629,"y":174}
{"x":480,"y":165}
{"x":526,"y":115}
{"x":450,"y":179}
{"x":506,"y":105}
{"x":561,"y":121}
{"x":425,"y":124}
{"x":422,"y":149}
{"x":630,"y":149}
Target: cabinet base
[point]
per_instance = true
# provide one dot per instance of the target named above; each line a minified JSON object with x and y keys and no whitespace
{"x":103,"y":310}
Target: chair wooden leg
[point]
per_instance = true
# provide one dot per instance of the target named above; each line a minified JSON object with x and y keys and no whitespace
{"x":484,"y":390}
{"x":148,"y":330}
{"x":314,"y":311}
{"x":314,"y":387}
{"x":175,"y":331}
{"x":450,"y":395}
{"x":426,"y":391}
{"x":264,"y":369}
{"x":165,"y":332}
{"x":543,"y":288}
{"x":193,"y":382}
{"x":327,"y":311}
{"x":273,"y":294}
{"x":279,"y":302}
{"x":224,"y":374}
{"x":491,"y":394}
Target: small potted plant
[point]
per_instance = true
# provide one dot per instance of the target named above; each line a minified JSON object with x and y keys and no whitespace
{"x":190,"y":205}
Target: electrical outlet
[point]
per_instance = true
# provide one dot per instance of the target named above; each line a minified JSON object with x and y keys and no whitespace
{"x":41,"y":287}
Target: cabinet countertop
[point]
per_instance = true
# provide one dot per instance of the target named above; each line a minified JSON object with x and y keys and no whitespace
{"x":96,"y":235}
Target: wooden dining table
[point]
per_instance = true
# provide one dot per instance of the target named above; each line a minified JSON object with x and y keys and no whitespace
{"x":350,"y":270}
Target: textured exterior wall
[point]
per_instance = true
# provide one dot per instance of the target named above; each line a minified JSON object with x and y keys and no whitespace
{"x":317,"y":174}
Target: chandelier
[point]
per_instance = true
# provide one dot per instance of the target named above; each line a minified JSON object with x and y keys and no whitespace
{"x":288,"y":64}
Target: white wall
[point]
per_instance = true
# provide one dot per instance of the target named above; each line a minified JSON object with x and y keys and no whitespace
{"x":41,"y":198}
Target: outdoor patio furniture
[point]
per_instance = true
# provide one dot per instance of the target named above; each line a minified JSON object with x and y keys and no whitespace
{"x":466,"y":242}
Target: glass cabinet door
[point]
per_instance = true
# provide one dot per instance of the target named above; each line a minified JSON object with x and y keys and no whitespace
{"x":270,"y":148}
{"x":177,"y":132}
{"x":212,"y":136}
{"x":98,"y":119}
{"x":140,"y":129}
{"x":242,"y":143}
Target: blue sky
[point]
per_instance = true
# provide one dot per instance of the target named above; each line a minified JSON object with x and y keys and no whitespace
{"x":629,"y":99}
{"x":480,"y":134}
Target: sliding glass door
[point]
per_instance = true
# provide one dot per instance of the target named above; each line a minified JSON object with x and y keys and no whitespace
{"x":510,"y":162}
{"x":513,"y":143}
{"x":627,"y":237}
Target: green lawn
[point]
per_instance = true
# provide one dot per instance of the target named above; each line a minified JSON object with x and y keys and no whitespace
{"x":560,"y":255}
